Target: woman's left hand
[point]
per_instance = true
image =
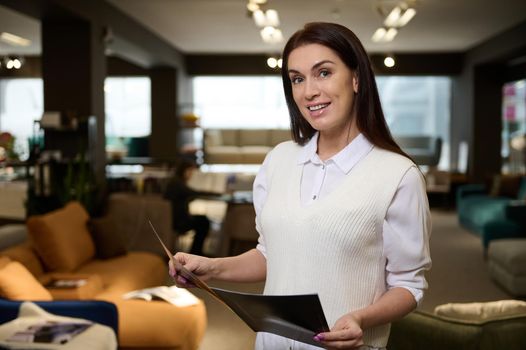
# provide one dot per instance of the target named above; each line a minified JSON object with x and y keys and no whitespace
{"x":346,"y":334}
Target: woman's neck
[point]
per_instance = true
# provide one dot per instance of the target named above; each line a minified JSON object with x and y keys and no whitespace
{"x":331,"y":142}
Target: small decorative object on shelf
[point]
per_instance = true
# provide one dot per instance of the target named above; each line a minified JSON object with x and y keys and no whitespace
{"x":189,"y":120}
{"x":8,"y":152}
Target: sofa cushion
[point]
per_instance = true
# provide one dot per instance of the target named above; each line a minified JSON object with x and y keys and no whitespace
{"x":108,"y":239}
{"x":26,"y":255}
{"x":213,"y":138}
{"x":254,"y":154}
{"x":17,"y":283}
{"x":4,"y":260}
{"x":118,"y":275}
{"x":230,"y":137}
{"x":162,"y":324}
{"x":223,"y":155}
{"x":482,"y":312}
{"x":61,"y":237}
{"x":253,"y":137}
{"x":278,"y":136}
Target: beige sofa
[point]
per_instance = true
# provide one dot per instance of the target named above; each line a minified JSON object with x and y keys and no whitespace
{"x":241,"y":146}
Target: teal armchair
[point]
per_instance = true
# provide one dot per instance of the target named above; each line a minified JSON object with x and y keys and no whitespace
{"x":492,"y":216}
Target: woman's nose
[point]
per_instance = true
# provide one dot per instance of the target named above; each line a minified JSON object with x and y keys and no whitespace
{"x":312,"y":89}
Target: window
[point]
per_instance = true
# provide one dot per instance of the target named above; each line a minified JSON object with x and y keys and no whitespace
{"x":513,"y":148}
{"x":240,"y":102}
{"x":128,"y":106}
{"x":418,"y":106}
{"x":21,"y":103}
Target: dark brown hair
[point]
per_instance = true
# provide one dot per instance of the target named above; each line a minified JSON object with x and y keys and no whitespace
{"x":369,"y":115}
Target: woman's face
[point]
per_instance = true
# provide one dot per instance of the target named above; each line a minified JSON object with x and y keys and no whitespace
{"x":323,"y":87}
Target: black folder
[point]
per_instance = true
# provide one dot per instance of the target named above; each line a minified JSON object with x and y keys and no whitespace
{"x":298,"y":317}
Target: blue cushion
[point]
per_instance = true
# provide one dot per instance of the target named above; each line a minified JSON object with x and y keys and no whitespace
{"x":101,"y":312}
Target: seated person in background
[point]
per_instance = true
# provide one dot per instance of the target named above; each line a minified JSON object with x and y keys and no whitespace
{"x":180,"y":195}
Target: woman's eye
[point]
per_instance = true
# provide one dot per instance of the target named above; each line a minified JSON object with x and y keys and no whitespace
{"x":324,"y":73}
{"x":296,"y":80}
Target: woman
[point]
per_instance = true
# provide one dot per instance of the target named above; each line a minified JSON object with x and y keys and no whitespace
{"x":341,"y":212}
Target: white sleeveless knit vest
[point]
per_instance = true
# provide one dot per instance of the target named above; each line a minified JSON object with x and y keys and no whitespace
{"x":334,"y":246}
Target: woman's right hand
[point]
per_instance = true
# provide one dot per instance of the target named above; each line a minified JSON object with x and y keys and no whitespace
{"x":201,"y":266}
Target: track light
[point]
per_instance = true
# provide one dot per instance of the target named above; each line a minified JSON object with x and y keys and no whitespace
{"x":384,"y":35}
{"x":397,"y":18}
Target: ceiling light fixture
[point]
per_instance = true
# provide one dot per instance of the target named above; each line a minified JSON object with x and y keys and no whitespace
{"x":14,"y":40}
{"x":252,"y":6}
{"x":398,"y":17}
{"x":406,"y":17}
{"x":383,"y":35}
{"x":274,"y":63}
{"x":13,"y":62}
{"x":389,"y":61}
{"x":271,"y":35}
{"x":266,"y":18}
{"x":268,"y":21}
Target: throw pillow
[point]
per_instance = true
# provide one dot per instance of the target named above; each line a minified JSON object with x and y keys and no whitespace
{"x":107,"y":238}
{"x":4,"y":260}
{"x":481,"y":312}
{"x":17,"y":283}
{"x":505,"y":186}
{"x":61,"y":238}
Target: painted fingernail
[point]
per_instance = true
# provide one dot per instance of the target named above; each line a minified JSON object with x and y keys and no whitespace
{"x":318,"y":337}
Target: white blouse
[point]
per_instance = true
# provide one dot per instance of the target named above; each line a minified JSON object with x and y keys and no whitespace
{"x":407,"y":225}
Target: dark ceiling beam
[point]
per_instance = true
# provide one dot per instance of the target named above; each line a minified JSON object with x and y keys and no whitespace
{"x":125,"y":37}
{"x":406,"y":64}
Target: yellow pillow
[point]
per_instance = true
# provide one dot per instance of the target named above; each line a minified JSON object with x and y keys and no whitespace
{"x":17,"y":283}
{"x":482,"y":312}
{"x":61,"y":238}
{"x":4,"y":260}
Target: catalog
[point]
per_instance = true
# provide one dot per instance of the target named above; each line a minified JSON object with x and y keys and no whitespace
{"x":298,"y":317}
{"x":173,"y":295}
{"x":49,"y":332}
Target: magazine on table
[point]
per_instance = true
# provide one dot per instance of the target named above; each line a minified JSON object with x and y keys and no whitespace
{"x":173,"y":295}
{"x":298,"y":317}
{"x":66,"y":283}
{"x":55,"y":332}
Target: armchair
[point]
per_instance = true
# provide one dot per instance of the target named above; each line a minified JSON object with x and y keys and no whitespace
{"x":101,"y":312}
{"x":493,"y":213}
{"x":421,"y":330}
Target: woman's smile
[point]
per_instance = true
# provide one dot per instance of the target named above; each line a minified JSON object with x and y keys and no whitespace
{"x":318,"y":109}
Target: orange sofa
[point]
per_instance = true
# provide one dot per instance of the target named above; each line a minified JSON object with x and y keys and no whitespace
{"x":60,"y":246}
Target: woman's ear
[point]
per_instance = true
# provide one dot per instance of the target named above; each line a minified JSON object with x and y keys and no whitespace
{"x":355,"y":83}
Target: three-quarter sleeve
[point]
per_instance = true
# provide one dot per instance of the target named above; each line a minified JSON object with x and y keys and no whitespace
{"x":406,"y":232}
